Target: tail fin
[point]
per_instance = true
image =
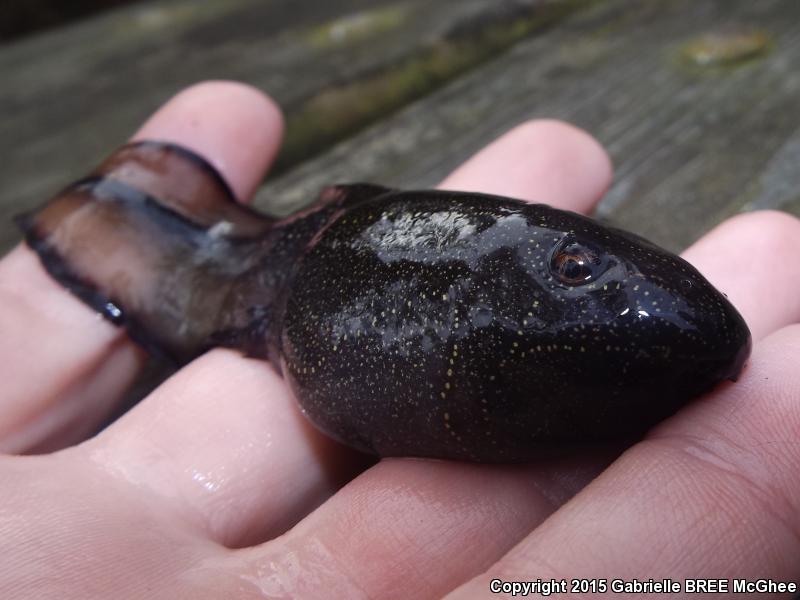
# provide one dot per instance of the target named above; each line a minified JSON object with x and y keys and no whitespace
{"x":157,"y":254}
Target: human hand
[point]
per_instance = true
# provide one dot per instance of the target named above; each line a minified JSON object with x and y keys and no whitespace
{"x":187,"y":495}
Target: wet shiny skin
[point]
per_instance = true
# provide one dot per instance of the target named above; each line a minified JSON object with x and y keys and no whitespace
{"x":436,"y":324}
{"x":418,"y":323}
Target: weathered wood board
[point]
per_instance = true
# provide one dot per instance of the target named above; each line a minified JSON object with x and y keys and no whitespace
{"x":24,"y":18}
{"x":691,"y":144}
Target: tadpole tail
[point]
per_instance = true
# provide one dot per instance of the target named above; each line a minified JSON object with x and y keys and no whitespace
{"x":155,"y":241}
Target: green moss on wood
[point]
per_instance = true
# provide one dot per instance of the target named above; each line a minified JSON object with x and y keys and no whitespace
{"x":341,"y":110}
{"x":725,"y":48}
{"x":358,"y":27}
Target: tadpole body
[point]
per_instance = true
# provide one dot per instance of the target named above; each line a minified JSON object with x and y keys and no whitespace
{"x":407,"y":323}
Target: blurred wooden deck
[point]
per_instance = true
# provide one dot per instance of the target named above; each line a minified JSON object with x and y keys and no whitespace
{"x":399,"y":92}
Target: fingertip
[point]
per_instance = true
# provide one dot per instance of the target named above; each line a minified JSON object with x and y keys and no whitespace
{"x":743,"y":258}
{"x":591,"y":161}
{"x":541,"y":160}
{"x":234,"y":126}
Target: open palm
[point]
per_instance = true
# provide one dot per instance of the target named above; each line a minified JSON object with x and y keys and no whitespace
{"x":215,"y":486}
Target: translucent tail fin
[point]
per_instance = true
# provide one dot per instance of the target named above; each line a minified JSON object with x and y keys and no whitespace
{"x":156,"y":254}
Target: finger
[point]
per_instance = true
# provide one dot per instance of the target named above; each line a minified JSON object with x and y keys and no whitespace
{"x":750,"y":258}
{"x":710,"y":493}
{"x":233,"y":126}
{"x":540,"y":161}
{"x":249,"y":473}
{"x":414,"y":528}
{"x":419,"y":527}
{"x":64,"y":367}
{"x":223,"y":445}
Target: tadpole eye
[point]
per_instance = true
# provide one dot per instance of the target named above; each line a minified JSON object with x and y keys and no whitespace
{"x":574,"y":263}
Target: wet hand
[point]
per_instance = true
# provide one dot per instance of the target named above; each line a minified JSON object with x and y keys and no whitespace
{"x":215,"y":486}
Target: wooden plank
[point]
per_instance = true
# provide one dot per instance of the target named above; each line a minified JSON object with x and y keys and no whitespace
{"x":24,"y":18}
{"x":72,"y":95}
{"x":691,"y":145}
